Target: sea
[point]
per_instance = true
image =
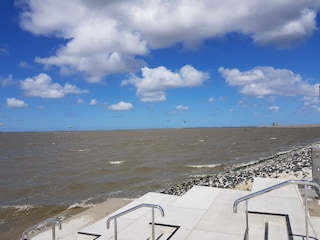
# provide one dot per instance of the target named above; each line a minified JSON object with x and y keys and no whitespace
{"x":43,"y":174}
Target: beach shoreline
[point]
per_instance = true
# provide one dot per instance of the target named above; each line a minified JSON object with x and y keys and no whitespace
{"x":295,"y":164}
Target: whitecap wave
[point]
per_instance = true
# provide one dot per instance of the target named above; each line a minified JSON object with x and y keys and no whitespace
{"x":20,"y":208}
{"x":80,"y":150}
{"x":116,"y":162}
{"x":81,"y":205}
{"x":198,"y":176}
{"x":204,"y":166}
{"x":283,"y":152}
{"x":83,"y":150}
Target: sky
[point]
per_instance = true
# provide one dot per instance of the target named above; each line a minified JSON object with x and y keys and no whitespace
{"x":144,"y":64}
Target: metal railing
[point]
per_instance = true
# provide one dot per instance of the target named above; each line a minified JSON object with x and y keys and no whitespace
{"x":274,"y":187}
{"x":153,"y":206}
{"x":53,"y":222}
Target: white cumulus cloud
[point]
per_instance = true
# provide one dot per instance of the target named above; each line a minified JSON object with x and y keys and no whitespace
{"x":7,"y":81}
{"x":42,"y":86}
{"x":274,"y":108}
{"x":93,"y":102}
{"x":16,"y":103}
{"x":107,"y":37}
{"x":211,"y":100}
{"x":262,"y":81}
{"x":312,"y":103}
{"x":121,"y":106}
{"x":154,"y":82}
{"x":182,"y":108}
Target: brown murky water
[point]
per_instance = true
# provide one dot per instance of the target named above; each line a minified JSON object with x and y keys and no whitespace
{"x":44,"y":173}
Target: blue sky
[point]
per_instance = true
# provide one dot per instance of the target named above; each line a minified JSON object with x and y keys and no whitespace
{"x":134,"y":64}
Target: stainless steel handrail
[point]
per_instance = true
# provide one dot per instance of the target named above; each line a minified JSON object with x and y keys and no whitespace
{"x":53,"y":222}
{"x":114,"y":217}
{"x":269,"y":189}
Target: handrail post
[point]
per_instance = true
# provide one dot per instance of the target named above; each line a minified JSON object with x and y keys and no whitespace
{"x":54,"y":222}
{"x":49,"y":220}
{"x":53,"y":232}
{"x":306,"y":211}
{"x":115,"y":229}
{"x":247,"y":222}
{"x":279,"y":185}
{"x":153,"y":234}
{"x":114,"y":217}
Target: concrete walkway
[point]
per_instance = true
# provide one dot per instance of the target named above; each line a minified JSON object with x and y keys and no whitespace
{"x":202,"y":213}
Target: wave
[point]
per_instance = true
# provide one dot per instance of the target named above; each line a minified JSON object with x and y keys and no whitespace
{"x":20,"y":208}
{"x":116,"y":162}
{"x":80,"y":150}
{"x":204,"y":166}
{"x":81,"y":205}
{"x":283,"y":152}
{"x":198,"y":175}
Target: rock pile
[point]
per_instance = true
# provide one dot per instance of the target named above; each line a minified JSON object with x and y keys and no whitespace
{"x":294,"y":164}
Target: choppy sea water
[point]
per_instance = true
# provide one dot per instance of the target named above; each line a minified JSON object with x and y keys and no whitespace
{"x":44,"y":173}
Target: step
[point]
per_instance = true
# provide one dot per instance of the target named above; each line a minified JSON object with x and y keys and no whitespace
{"x":277,"y":226}
{"x":198,"y":198}
{"x":135,"y":223}
{"x":201,"y":213}
{"x":71,"y":226}
{"x":276,"y":231}
{"x":218,"y":220}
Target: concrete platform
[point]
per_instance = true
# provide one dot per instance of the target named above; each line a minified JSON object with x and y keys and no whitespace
{"x":202,"y":213}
